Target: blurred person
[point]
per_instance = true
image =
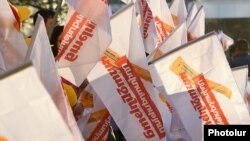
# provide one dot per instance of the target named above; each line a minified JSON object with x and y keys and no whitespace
{"x":239,"y":54}
{"x":56,"y":38}
{"x":48,"y":16}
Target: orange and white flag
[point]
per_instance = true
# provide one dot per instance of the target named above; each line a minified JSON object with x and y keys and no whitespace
{"x":177,"y":38}
{"x":248,"y":94}
{"x":191,"y":14}
{"x":241,"y":78}
{"x":12,"y":44}
{"x":178,"y":11}
{"x":94,"y":119}
{"x":41,"y":55}
{"x":201,"y":85}
{"x":122,"y":80}
{"x":147,"y":25}
{"x":86,"y":36}
{"x":226,"y":41}
{"x":163,"y":19}
{"x":196,"y":28}
{"x":27,"y":110}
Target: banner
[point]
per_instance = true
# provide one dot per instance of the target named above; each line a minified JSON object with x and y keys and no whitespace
{"x":42,"y":57}
{"x":27,"y":111}
{"x":86,"y":36}
{"x":122,"y":81}
{"x":201,"y":85}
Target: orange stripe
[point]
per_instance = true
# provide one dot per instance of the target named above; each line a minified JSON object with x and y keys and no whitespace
{"x":66,"y":30}
{"x":206,"y":94}
{"x":121,"y":64}
{"x":96,"y":135}
{"x":98,"y":115}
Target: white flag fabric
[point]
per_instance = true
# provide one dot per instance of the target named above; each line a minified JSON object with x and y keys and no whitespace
{"x":94,"y":122}
{"x":177,"y":38}
{"x":116,"y":81}
{"x":147,"y":26}
{"x":248,"y":94}
{"x":201,"y":85}
{"x":12,"y":45}
{"x":85,"y":37}
{"x":41,"y":55}
{"x":241,"y":77}
{"x":178,"y":10}
{"x":163,"y":19}
{"x":27,"y":111}
{"x":226,"y":41}
{"x":191,"y":14}
{"x":196,"y":28}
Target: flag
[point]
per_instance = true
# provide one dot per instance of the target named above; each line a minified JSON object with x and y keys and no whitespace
{"x":86,"y":36}
{"x":119,"y":81}
{"x":12,"y":45}
{"x":179,"y":11}
{"x":147,"y":26}
{"x":200,"y":83}
{"x":163,"y":19}
{"x":26,"y":98}
{"x":226,"y":41}
{"x":241,"y":78}
{"x":196,"y":28}
{"x":94,"y":119}
{"x":191,"y":14}
{"x":177,"y":38}
{"x":42,"y":57}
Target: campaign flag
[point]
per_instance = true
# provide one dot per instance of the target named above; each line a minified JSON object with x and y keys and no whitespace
{"x":248,"y":94}
{"x":177,"y":38}
{"x":147,"y":26}
{"x":119,"y":81}
{"x":200,"y":83}
{"x":196,"y":28}
{"x":191,"y":14}
{"x":226,"y":41}
{"x":42,"y":57}
{"x":178,"y":11}
{"x":12,"y":44}
{"x":27,"y":110}
{"x":241,"y":77}
{"x":163,"y":19}
{"x":86,"y":36}
{"x":94,"y":119}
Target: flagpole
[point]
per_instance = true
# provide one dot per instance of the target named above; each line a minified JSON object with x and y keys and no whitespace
{"x":58,"y":8}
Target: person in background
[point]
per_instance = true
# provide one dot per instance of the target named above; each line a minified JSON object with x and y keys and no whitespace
{"x":56,"y":38}
{"x":48,"y":16}
{"x":239,"y":54}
